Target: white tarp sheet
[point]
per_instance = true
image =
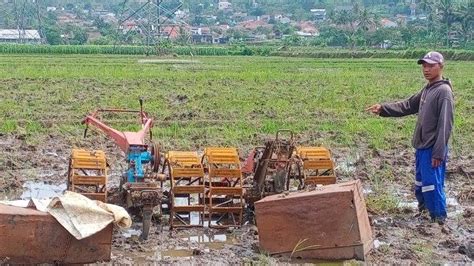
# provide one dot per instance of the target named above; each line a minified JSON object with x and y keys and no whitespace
{"x":79,"y":215}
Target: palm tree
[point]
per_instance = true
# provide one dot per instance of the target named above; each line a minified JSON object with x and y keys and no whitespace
{"x":429,"y":9}
{"x":447,"y":14}
{"x":465,"y":16}
{"x":184,"y":37}
{"x":366,"y":20}
{"x":345,"y":18}
{"x":426,"y":6}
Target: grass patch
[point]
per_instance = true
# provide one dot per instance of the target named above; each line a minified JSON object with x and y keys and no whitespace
{"x":234,"y":100}
{"x":8,"y":126}
{"x":424,"y":251}
{"x":382,"y":201}
{"x":236,"y":50}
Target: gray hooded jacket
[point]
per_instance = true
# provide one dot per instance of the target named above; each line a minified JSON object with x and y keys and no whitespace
{"x":435,"y":107}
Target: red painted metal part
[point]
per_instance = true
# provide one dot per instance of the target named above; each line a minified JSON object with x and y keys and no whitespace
{"x":330,"y":222}
{"x":123,"y":139}
{"x":248,"y":166}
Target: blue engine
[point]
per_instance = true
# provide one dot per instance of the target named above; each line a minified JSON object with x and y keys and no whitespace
{"x":137,"y":158}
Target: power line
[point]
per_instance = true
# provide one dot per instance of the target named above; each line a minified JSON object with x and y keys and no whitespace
{"x":148,"y":19}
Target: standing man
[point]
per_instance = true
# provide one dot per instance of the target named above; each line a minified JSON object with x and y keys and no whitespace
{"x":434,"y":105}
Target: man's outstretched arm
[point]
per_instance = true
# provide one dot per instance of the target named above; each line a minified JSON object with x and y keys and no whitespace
{"x":407,"y":107}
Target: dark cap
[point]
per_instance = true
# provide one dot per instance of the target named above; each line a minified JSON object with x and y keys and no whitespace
{"x":432,"y":58}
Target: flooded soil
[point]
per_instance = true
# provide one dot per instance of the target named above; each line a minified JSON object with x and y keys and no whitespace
{"x":37,"y":170}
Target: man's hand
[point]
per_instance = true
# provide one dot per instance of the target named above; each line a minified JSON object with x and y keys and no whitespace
{"x":436,"y":162}
{"x":376,"y":108}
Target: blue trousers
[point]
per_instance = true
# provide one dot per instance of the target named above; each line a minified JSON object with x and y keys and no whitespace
{"x":429,"y":184}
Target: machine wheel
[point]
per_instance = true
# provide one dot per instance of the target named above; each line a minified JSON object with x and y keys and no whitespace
{"x":156,"y":157}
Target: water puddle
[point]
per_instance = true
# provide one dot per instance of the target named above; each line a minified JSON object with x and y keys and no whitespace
{"x":156,"y":255}
{"x":138,"y":258}
{"x":348,"y":164}
{"x":131,"y":232}
{"x":194,"y":218}
{"x":409,"y":205}
{"x":176,"y":253}
{"x":212,"y":241}
{"x":41,"y":190}
{"x":34,"y":190}
{"x":453,"y":207}
{"x":450,"y":202}
{"x":298,"y":261}
{"x":378,"y":243}
{"x":367,"y":191}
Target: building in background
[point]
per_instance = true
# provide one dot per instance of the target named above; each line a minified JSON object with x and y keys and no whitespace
{"x":19,"y":36}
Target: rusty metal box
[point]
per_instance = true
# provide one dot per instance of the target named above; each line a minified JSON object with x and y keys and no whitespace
{"x":330,"y":223}
{"x":28,"y":236}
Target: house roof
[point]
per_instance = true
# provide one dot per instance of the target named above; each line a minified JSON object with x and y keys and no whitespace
{"x":130,"y":23}
{"x":175,"y":31}
{"x":253,"y":24}
{"x":386,"y":23}
{"x":14,"y":34}
{"x":304,"y":34}
{"x":224,"y":27}
{"x":172,"y":32}
{"x":308,"y":27}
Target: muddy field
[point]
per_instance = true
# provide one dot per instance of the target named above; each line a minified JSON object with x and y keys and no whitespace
{"x":399,"y":235}
{"x":240,"y":103}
